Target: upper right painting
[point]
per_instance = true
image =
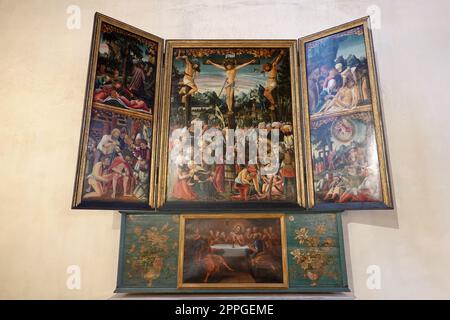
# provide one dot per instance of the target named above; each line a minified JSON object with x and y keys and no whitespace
{"x":345,"y":150}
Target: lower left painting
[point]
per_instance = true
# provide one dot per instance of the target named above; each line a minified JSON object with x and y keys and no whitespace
{"x":117,"y":162}
{"x":150,"y":248}
{"x":171,"y":253}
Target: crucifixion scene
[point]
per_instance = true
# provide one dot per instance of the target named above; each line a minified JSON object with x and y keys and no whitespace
{"x":247,"y":89}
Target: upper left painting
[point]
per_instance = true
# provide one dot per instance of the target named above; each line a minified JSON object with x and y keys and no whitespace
{"x":116,"y":158}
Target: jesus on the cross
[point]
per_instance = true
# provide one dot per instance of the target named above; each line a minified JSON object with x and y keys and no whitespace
{"x":230,"y":68}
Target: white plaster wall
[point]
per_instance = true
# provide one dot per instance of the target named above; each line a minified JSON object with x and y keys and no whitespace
{"x":43,"y":71}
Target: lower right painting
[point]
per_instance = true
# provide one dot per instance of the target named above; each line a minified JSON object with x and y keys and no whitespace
{"x":315,"y":251}
{"x":231,"y":252}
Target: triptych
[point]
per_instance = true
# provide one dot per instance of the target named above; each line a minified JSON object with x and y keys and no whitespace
{"x":277,"y":130}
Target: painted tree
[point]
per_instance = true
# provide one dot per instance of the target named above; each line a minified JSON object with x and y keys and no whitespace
{"x":284,"y":90}
{"x":122,"y":49}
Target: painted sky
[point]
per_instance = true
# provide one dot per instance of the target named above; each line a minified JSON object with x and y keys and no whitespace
{"x":353,"y":44}
{"x":104,"y":49}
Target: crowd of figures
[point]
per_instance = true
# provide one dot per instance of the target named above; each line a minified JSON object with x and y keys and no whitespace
{"x":348,"y":172}
{"x":111,"y":89}
{"x":338,"y":87}
{"x":240,"y":180}
{"x":118,"y":163}
{"x":259,"y":249}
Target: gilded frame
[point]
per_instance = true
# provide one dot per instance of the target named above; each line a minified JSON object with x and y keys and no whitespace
{"x":291,"y":45}
{"x":283,"y":242}
{"x":387,"y":202}
{"x":77,"y":202}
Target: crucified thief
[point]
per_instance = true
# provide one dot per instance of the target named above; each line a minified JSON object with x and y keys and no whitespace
{"x":231,"y":69}
{"x":271,"y":70}
{"x":188,"y":87}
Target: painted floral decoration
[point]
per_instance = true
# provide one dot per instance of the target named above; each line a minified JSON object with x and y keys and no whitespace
{"x":314,"y":258}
